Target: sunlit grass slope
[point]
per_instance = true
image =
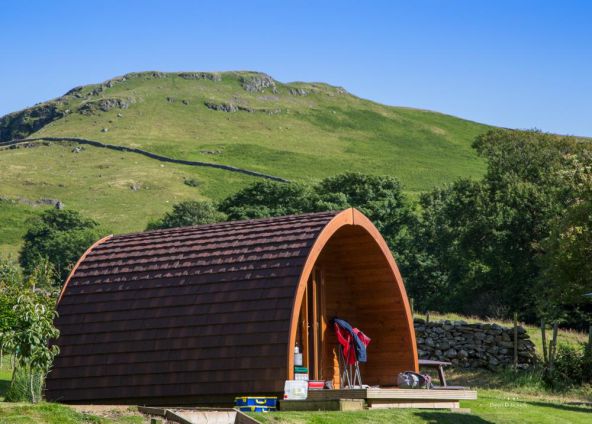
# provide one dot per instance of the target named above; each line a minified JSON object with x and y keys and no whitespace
{"x":297,"y":136}
{"x":122,"y":191}
{"x":299,"y":131}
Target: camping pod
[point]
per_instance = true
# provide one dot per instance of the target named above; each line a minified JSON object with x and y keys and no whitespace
{"x":201,"y":314}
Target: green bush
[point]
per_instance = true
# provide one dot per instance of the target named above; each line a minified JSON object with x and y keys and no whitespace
{"x":60,"y":237}
{"x":23,"y":388}
{"x":29,"y":333}
{"x":572,"y":366}
{"x":188,"y":213}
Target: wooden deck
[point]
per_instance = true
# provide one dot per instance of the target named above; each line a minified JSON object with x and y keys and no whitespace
{"x":384,"y":398}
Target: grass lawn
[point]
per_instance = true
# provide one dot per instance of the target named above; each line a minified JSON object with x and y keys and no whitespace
{"x":51,"y":413}
{"x":493,"y":406}
{"x":13,"y":223}
{"x":503,"y":400}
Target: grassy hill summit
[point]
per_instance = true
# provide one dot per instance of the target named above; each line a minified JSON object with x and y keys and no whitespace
{"x":296,"y":131}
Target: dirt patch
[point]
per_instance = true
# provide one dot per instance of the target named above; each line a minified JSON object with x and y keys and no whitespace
{"x":109,"y":411}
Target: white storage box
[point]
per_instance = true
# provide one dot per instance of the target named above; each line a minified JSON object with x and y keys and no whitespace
{"x":295,"y":389}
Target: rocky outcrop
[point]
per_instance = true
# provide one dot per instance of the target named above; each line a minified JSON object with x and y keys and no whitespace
{"x":233,"y":107}
{"x":104,"y":105}
{"x":145,"y":75}
{"x":100,"y":88}
{"x":481,"y":345}
{"x":298,"y":91}
{"x":76,"y":91}
{"x":56,"y":203}
{"x":221,"y":107}
{"x":212,"y":76}
{"x":257,"y":82}
{"x":18,"y":125}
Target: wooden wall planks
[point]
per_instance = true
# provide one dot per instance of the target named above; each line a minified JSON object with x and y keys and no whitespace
{"x":212,"y":311}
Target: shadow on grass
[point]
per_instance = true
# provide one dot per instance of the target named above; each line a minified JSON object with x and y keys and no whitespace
{"x":449,"y":418}
{"x":563,"y":407}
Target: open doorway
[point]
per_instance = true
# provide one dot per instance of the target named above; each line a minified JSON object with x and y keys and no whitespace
{"x":353,"y":280}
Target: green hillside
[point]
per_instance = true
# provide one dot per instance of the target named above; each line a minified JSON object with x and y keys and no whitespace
{"x":297,"y":131}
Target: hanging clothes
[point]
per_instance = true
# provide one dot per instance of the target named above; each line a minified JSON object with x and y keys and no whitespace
{"x":344,"y":338}
{"x":355,"y":340}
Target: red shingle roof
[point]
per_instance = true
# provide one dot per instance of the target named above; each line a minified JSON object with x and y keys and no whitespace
{"x":182,"y":312}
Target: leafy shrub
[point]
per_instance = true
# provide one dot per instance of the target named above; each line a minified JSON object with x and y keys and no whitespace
{"x":24,"y":387}
{"x":569,"y":362}
{"x":188,"y":213}
{"x":27,"y":334}
{"x":572,"y":366}
{"x":60,"y":236}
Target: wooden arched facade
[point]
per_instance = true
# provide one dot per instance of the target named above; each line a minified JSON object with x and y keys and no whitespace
{"x":350,"y":273}
{"x":201,"y":314}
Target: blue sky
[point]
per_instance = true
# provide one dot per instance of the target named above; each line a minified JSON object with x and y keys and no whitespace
{"x":520,"y":64}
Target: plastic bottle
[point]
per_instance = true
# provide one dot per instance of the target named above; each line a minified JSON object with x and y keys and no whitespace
{"x":297,"y":356}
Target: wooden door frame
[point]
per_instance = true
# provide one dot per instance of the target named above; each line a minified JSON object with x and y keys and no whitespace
{"x":317,"y":320}
{"x":343,"y":219}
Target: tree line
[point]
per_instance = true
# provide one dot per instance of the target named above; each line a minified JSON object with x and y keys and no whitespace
{"x":517,"y":240}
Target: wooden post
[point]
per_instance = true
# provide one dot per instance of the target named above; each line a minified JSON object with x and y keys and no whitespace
{"x":428,"y":317}
{"x":412,"y":307}
{"x":553,"y":346}
{"x":315,"y":326}
{"x":590,"y":339}
{"x":515,"y":341}
{"x":322,"y":322}
{"x":305,"y":331}
{"x":442,"y":376}
{"x":544,"y":337}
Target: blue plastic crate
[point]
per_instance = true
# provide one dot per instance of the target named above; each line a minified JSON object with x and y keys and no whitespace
{"x":253,"y":408}
{"x":265,"y":401}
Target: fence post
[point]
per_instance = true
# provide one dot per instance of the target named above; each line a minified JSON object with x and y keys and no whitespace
{"x":544,"y":337}
{"x":590,"y":339}
{"x":553,"y":346}
{"x":515,"y":341}
{"x":428,"y":320}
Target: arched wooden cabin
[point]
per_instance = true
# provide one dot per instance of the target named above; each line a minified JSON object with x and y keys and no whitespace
{"x":201,"y":314}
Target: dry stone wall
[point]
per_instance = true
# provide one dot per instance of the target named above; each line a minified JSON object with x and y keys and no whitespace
{"x":480,"y":345}
{"x":30,"y":142}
